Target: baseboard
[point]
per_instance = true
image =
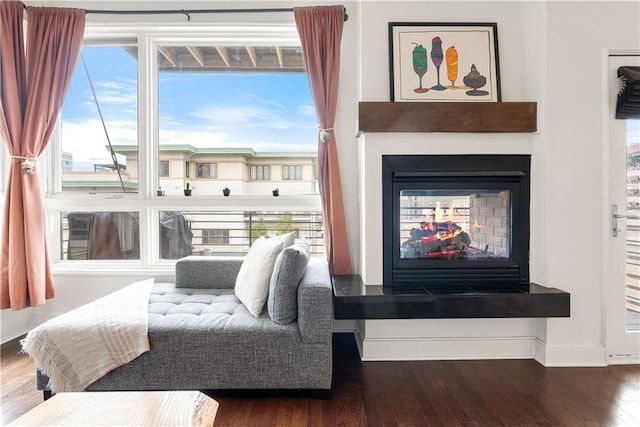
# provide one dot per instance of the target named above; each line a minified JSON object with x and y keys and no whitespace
{"x":12,"y":334}
{"x":632,"y":359}
{"x":377,"y":349}
{"x":570,"y":355}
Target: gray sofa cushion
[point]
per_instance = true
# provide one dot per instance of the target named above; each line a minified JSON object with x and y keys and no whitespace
{"x":282,"y":302}
{"x":206,"y":272}
{"x":207,"y":339}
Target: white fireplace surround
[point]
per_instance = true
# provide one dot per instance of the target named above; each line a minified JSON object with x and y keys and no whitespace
{"x":423,"y":339}
{"x":371,"y":148}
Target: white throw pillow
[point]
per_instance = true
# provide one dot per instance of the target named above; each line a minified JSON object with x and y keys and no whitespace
{"x":252,"y":282}
{"x":287,"y":239}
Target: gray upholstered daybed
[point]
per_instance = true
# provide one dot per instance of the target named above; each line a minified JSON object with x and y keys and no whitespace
{"x":202,"y":337}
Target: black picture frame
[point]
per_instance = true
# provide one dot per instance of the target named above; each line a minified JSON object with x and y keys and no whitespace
{"x":424,"y":55}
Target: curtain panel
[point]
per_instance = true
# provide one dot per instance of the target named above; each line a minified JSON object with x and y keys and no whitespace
{"x":320,"y":31}
{"x":34,"y":79}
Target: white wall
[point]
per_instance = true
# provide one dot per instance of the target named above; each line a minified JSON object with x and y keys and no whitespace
{"x":550,"y":52}
{"x":574,"y":144}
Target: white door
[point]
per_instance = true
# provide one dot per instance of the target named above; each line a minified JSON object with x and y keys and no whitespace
{"x":623,"y":330}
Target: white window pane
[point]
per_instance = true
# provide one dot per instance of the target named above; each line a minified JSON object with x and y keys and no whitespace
{"x":99,"y":235}
{"x":99,"y":156}
{"x":175,"y":235}
{"x":219,"y":103}
{"x":292,"y":172}
{"x":201,"y":170}
{"x":164,"y":168}
{"x":204,"y":233}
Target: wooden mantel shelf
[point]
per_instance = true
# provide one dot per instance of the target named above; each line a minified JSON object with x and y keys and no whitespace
{"x":447,"y":117}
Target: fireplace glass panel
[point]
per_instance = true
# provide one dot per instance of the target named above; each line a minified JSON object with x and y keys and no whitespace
{"x":455,"y":224}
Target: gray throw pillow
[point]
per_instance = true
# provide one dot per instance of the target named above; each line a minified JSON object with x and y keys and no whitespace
{"x":282,"y":302}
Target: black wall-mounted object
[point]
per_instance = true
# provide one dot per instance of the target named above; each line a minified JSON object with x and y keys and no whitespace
{"x":458,"y":175}
{"x":628,"y":103}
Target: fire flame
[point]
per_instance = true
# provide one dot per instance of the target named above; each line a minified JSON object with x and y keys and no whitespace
{"x":443,"y":214}
{"x":437,"y":213}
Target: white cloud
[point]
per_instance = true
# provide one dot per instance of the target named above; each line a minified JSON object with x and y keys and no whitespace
{"x":260,"y":124}
{"x":87,"y":140}
{"x":228,"y":117}
{"x":123,"y":92}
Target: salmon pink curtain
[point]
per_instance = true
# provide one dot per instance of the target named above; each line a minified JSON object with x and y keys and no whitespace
{"x":320,"y":30}
{"x":34,"y":79}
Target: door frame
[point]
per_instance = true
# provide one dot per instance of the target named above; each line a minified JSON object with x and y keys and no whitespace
{"x":613,"y":352}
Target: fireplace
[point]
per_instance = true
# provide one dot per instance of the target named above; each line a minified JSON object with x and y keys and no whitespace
{"x":455,"y":220}
{"x":455,"y":228}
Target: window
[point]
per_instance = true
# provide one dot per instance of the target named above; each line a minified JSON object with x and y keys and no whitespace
{"x":217,"y":115}
{"x":215,"y":237}
{"x":201,"y":232}
{"x":260,"y":173}
{"x":164,"y":168}
{"x":98,"y":150}
{"x":100,"y":235}
{"x":233,"y":105}
{"x":206,"y":170}
{"x":292,"y":173}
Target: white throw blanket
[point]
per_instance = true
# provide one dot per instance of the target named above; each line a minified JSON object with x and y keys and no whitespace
{"x":79,"y":347}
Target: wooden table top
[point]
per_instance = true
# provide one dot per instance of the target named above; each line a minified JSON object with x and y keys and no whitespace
{"x":130,"y":408}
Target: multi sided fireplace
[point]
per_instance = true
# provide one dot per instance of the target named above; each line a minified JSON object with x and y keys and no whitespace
{"x":456,"y":220}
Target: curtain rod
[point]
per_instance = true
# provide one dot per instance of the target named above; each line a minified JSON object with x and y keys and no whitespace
{"x":188,"y":13}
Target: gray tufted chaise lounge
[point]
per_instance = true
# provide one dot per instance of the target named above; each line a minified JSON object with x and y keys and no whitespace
{"x":203,"y":338}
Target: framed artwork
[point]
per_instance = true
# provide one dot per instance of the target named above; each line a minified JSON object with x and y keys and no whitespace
{"x":444,"y":62}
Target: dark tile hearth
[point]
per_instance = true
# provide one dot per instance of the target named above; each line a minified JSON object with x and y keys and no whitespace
{"x":354,"y":300}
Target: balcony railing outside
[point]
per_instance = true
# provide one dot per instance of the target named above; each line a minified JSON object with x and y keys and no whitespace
{"x":243,"y":228}
{"x":115,"y":235}
{"x":633,"y":261}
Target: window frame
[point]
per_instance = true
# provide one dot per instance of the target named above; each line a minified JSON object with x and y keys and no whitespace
{"x":297,"y":172}
{"x":213,"y":166}
{"x":256,"y":170}
{"x":148,"y":38}
{"x":161,"y":169}
{"x":224,"y":236}
{"x":93,"y":37}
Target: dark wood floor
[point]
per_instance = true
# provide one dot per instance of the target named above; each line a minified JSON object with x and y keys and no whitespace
{"x":424,"y":393}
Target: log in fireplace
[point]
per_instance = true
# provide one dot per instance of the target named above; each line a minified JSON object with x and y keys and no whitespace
{"x":456,"y":220}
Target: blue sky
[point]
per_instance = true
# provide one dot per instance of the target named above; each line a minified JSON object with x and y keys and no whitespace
{"x":266,"y":112}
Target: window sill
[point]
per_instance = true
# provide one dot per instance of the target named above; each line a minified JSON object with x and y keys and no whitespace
{"x":112,"y":268}
{"x":215,"y":202}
